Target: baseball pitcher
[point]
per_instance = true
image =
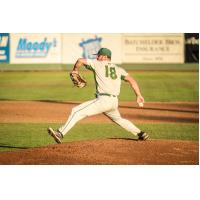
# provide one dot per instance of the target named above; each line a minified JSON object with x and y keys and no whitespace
{"x":108,"y":77}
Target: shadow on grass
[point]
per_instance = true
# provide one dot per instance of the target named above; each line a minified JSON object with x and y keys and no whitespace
{"x":12,"y":147}
{"x":123,"y":139}
{"x":61,"y":102}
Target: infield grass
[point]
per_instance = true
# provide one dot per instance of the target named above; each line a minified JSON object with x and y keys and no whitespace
{"x":22,"y":136}
{"x":56,"y":86}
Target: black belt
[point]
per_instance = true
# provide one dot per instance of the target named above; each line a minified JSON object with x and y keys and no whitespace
{"x":105,"y":94}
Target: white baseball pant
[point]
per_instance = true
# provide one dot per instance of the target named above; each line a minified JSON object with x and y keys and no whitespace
{"x":102,"y":104}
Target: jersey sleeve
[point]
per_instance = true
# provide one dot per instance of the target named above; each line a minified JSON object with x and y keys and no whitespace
{"x":90,"y":64}
{"x":123,"y":73}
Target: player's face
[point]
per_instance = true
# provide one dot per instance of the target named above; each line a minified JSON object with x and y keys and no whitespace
{"x":102,"y":58}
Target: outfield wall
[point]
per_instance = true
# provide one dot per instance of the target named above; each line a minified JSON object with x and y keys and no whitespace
{"x":153,"y":48}
{"x":76,"y":45}
{"x":57,"y":48}
{"x":35,"y":48}
{"x":4,"y":48}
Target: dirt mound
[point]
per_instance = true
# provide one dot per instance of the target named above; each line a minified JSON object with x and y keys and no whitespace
{"x":108,"y":151}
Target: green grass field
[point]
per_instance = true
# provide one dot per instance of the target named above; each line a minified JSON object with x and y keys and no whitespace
{"x":164,"y":86}
{"x":22,"y":136}
{"x":57,"y":86}
{"x":128,"y":66}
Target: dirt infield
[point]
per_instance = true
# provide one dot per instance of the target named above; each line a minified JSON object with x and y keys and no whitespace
{"x":108,"y":151}
{"x":57,"y":112}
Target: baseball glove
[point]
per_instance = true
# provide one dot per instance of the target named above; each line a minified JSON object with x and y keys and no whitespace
{"x":77,"y":80}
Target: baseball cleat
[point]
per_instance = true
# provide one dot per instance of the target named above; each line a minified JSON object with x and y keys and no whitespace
{"x":143,"y":136}
{"x":57,"y":136}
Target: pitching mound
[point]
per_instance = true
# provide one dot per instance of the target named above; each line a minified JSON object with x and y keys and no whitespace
{"x":108,"y":151}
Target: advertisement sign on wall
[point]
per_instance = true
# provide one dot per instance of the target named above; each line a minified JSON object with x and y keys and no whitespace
{"x":4,"y":48}
{"x":76,"y":45}
{"x":153,"y":48}
{"x":68,"y":47}
{"x":36,"y":48}
{"x":90,"y":47}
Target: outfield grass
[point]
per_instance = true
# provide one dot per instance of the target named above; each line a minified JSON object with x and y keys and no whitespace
{"x":56,"y":86}
{"x":22,"y":136}
{"x":128,"y":66}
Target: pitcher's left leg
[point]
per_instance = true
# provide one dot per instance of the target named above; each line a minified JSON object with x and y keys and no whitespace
{"x":79,"y":112}
{"x":89,"y":108}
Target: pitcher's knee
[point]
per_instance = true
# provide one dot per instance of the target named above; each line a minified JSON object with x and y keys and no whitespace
{"x":78,"y":114}
{"x":74,"y":109}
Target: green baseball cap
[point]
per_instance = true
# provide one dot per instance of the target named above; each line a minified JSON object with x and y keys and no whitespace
{"x":104,"y":52}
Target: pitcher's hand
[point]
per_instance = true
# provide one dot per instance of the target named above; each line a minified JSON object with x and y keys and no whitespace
{"x":140,"y":101}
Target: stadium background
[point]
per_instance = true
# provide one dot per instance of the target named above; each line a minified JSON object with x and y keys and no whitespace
{"x":129,"y":48}
{"x":33,"y":70}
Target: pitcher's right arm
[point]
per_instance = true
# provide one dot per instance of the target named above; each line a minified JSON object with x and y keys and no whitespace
{"x":134,"y":85}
